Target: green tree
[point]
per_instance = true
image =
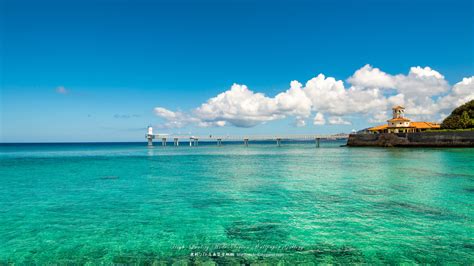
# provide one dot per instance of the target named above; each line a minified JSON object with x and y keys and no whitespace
{"x":461,"y":117}
{"x":451,"y":122}
{"x":465,"y":121}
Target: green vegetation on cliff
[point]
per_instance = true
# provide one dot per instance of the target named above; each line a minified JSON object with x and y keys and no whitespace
{"x":462,"y":117}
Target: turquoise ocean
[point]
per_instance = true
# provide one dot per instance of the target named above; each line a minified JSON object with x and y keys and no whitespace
{"x":104,"y":203}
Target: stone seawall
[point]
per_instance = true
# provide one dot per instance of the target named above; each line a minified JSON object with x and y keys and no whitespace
{"x":419,"y":139}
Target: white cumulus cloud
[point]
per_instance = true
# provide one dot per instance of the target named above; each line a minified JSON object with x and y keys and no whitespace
{"x":462,"y":92}
{"x":369,"y":93}
{"x":300,"y":122}
{"x":337,"y":120}
{"x":367,"y":76}
{"x":319,"y":119}
{"x":240,"y":107}
{"x":174,"y":119}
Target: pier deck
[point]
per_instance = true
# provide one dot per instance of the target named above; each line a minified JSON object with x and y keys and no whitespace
{"x":218,"y":139}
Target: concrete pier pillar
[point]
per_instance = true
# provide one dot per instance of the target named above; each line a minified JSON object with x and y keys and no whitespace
{"x":196,"y":142}
{"x":317,"y":142}
{"x":176,"y":142}
{"x":278,"y":142}
{"x":150,"y":140}
{"x":163,"y":142}
{"x":246,"y":142}
{"x":219,"y":142}
{"x":190,"y":142}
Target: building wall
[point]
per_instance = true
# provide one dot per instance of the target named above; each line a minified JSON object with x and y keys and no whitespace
{"x":398,"y":124}
{"x":421,"y":139}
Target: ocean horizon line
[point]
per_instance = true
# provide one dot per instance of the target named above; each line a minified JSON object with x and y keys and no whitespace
{"x":158,"y":143}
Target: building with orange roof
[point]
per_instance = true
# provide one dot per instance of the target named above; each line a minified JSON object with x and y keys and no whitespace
{"x":400,"y":124}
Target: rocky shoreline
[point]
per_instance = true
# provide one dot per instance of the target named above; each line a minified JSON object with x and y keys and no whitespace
{"x":418,"y":139}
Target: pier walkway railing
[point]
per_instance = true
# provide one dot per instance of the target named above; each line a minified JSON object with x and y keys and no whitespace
{"x":194,"y":140}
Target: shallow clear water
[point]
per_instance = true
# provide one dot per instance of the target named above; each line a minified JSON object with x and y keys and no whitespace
{"x":120,"y":203}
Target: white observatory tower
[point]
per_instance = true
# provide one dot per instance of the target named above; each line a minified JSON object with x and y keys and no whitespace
{"x":150,"y":136}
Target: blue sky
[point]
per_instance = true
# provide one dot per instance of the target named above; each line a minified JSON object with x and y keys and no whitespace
{"x":118,"y":60}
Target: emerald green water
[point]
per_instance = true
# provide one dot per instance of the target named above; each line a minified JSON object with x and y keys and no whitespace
{"x":126,"y":203}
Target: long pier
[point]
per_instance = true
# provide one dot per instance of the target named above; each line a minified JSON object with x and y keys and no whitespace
{"x":194,"y":140}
